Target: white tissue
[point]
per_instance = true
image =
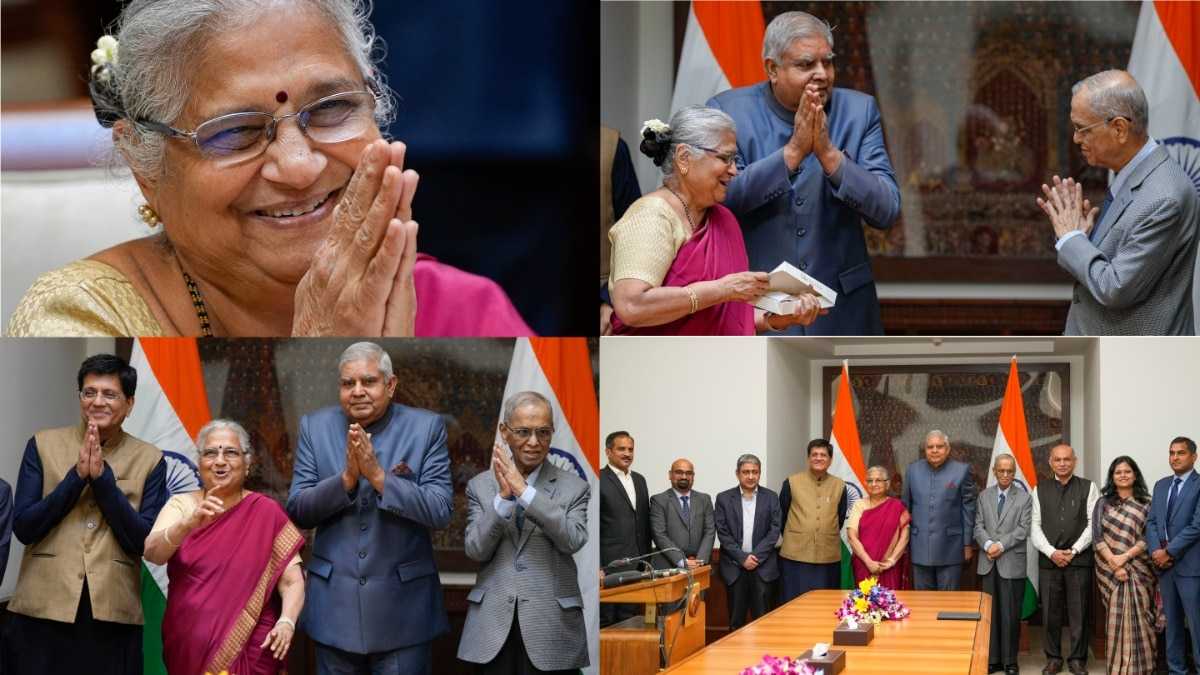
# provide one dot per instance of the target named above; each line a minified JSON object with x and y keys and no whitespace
{"x":820,"y":649}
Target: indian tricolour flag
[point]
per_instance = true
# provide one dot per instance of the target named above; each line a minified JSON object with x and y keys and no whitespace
{"x":171,"y":406}
{"x":1166,"y":62}
{"x":848,"y":463}
{"x":722,"y":48}
{"x":1012,"y":437}
{"x":561,"y":370}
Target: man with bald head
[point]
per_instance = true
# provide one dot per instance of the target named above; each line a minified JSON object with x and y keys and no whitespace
{"x":1062,"y":534}
{"x":682,"y":518}
{"x":1133,"y":256}
{"x":939,"y":492}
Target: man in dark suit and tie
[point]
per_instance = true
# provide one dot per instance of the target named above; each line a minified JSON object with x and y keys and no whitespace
{"x":1173,"y":538}
{"x":748,"y":518}
{"x":682,"y":519}
{"x":1002,"y":520}
{"x":624,"y":516}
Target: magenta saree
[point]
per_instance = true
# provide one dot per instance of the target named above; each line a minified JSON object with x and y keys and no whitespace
{"x":221,"y":601}
{"x":716,"y":249}
{"x":454,"y":303}
{"x":877,"y":529}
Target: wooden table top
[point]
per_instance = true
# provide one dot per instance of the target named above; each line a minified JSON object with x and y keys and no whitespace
{"x":919,"y":644}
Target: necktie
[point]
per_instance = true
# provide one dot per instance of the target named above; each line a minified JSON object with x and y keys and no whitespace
{"x":520,"y":516}
{"x":1108,"y":198}
{"x":1000,"y":506}
{"x":1171,"y":497}
{"x":687,"y":510}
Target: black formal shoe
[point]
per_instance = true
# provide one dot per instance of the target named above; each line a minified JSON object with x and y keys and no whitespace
{"x":1077,"y":667}
{"x":1052,"y":666}
{"x":994,"y":669}
{"x":1012,"y":670}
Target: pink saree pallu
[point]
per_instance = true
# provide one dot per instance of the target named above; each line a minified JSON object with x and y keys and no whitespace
{"x":877,"y":529}
{"x":716,"y":249}
{"x":221,"y":600}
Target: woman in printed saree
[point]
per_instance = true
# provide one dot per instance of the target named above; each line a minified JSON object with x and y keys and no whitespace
{"x":679,"y":264}
{"x":877,"y":528}
{"x":1123,"y":570}
{"x":233,"y":560}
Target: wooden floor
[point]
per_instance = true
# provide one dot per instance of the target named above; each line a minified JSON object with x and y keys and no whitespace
{"x":919,"y":644}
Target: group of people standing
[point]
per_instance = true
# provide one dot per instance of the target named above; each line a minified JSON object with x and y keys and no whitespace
{"x":371,"y":480}
{"x":790,"y":170}
{"x":775,"y":547}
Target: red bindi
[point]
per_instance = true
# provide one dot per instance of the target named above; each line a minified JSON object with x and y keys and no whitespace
{"x":281,"y":97}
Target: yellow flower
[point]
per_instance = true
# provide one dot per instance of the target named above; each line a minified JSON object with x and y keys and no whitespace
{"x":861,"y":604}
{"x":866,"y":585}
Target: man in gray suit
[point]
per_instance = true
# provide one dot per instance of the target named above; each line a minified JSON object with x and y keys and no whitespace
{"x":1002,"y":529}
{"x":526,"y":518}
{"x":373,"y":478}
{"x":1134,"y":268}
{"x":940,"y":494}
{"x":681,"y":519}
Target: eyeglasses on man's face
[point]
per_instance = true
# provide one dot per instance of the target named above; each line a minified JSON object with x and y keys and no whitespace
{"x":107,"y":395}
{"x":1084,"y":131}
{"x":242,"y":136}
{"x":544,"y":434}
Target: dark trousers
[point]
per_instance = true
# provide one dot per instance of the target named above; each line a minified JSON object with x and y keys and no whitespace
{"x":798,"y":578}
{"x":1181,"y":600}
{"x":936,"y":577}
{"x":1066,"y":593}
{"x":512,"y":659}
{"x":1007,"y":596}
{"x":414,"y":659}
{"x":749,"y":593}
{"x":33,"y":645}
{"x":615,"y":612}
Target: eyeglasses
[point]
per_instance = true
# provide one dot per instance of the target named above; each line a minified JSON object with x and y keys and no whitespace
{"x":729,"y":159}
{"x":107,"y":395}
{"x":1004,"y":472}
{"x":544,"y":434}
{"x":876,"y":480}
{"x":242,"y":136}
{"x":228,"y":453}
{"x":1081,"y":131}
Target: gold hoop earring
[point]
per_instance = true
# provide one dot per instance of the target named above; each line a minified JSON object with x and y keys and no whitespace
{"x":148,"y":215}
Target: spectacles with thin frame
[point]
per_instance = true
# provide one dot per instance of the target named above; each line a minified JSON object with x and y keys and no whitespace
{"x":1081,"y":131}
{"x":544,"y":434}
{"x":225,"y":452}
{"x":729,"y":160}
{"x":108,"y":396}
{"x":243,"y":136}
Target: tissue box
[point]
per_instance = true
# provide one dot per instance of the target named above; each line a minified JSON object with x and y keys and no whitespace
{"x":859,"y":637}
{"x":832,"y":663}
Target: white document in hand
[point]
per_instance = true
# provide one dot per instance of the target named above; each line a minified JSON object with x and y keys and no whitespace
{"x":786,"y":283}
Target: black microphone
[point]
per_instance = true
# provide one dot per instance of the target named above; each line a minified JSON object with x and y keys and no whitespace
{"x":625,"y":561}
{"x":623,"y":578}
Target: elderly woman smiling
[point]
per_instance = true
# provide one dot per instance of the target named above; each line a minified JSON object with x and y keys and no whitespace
{"x":252,"y":128}
{"x":222,"y":546}
{"x":679,"y":264}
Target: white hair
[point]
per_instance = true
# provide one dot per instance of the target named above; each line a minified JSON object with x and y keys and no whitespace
{"x":524,"y":398}
{"x":1114,"y":93}
{"x":367,"y":351}
{"x":224,"y":425}
{"x":696,"y":127}
{"x":789,"y":27}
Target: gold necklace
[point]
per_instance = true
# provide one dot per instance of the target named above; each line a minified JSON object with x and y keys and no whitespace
{"x":198,"y":303}
{"x":687,"y":213}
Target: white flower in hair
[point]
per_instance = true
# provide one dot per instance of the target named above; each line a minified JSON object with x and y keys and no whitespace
{"x":656,"y":125}
{"x":104,"y":55}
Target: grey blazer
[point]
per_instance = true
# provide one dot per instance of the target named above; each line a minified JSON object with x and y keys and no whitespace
{"x":1134,"y":275}
{"x":668,"y":528}
{"x":1010,"y":528}
{"x":531,"y":572}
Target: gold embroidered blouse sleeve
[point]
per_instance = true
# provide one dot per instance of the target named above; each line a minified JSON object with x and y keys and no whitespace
{"x":177,"y":509}
{"x":645,"y":241}
{"x":856,"y":512}
{"x":84,"y":299}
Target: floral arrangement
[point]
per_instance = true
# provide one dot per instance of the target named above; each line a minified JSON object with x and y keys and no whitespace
{"x":872,"y":603}
{"x":781,"y":665}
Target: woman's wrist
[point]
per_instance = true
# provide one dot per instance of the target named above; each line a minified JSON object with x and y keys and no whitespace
{"x":285,"y":620}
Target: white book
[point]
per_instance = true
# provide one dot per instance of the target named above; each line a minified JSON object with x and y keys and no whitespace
{"x":786,"y":284}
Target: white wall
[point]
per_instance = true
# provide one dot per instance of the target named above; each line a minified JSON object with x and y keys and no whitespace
{"x":790,"y":426}
{"x":636,"y":73}
{"x":699,"y":398}
{"x":1149,"y":393}
{"x":40,"y":395}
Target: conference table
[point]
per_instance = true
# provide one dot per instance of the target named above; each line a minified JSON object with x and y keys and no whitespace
{"x":918,"y":644}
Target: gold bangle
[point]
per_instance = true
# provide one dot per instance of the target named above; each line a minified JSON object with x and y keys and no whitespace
{"x":695,"y":300}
